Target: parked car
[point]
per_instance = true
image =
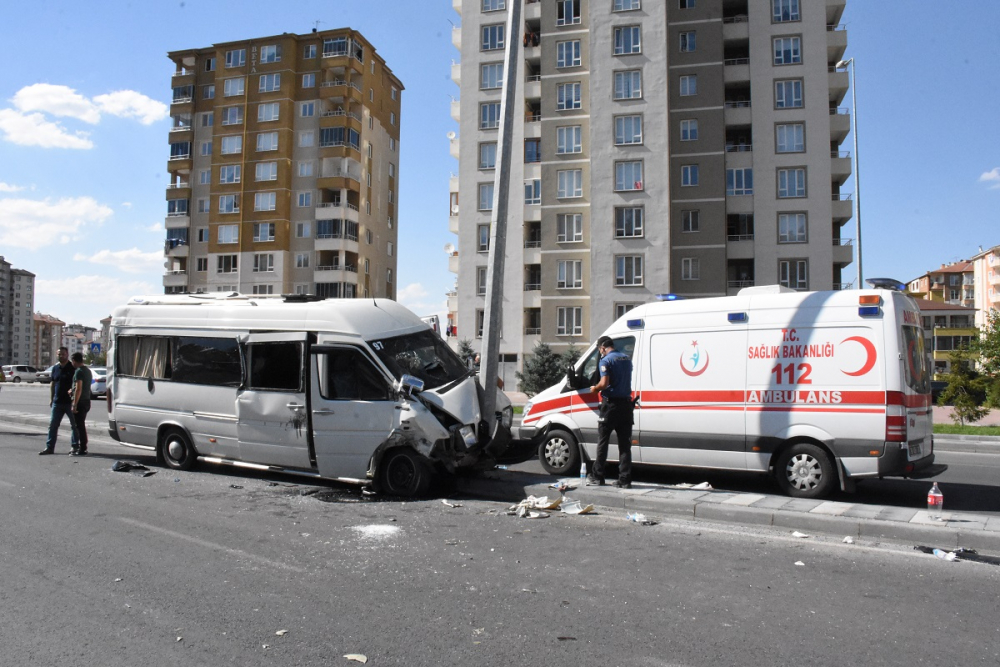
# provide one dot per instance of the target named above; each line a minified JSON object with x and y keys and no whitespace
{"x":98,"y":387}
{"x":46,"y":376}
{"x":937,"y":387}
{"x":16,"y":373}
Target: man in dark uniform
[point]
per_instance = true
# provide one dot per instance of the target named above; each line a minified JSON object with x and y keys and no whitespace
{"x":615,"y":386}
{"x":61,"y":393}
{"x":82,"y":378}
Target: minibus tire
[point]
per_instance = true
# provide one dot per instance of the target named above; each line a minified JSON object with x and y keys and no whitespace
{"x":402,"y":472}
{"x":559,"y":453}
{"x":177,"y":451}
{"x":805,"y":470}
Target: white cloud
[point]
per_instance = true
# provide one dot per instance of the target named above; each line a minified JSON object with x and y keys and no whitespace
{"x":7,"y":187}
{"x":33,"y":224}
{"x":155,"y":228}
{"x":126,"y":204}
{"x":56,"y":101}
{"x":130,"y":104}
{"x":415,"y":297}
{"x":132,"y":260}
{"x":33,"y":130}
{"x":992,"y":177}
{"x":87,"y":298}
{"x":412,"y":292}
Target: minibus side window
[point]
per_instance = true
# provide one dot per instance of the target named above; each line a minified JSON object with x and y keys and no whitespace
{"x":214,"y":361}
{"x":275,"y":366}
{"x":346,"y":374}
{"x":143,"y":356}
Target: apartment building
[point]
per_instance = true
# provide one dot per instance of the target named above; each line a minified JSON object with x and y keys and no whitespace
{"x":46,"y":340}
{"x":284,"y":168}
{"x":952,"y":283}
{"x":17,"y":301}
{"x":947,"y":326}
{"x":670,"y":146}
{"x":986,"y":283}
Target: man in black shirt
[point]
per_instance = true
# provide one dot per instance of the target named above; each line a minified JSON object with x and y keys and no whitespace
{"x":82,"y":378}
{"x":61,"y":394}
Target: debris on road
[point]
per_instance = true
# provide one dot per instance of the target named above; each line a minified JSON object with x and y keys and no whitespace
{"x":133,"y":467}
{"x":945,"y":555}
{"x":796,"y":533}
{"x":235,"y":486}
{"x":961,"y":553}
{"x":281,"y":633}
{"x":448,"y":503}
{"x":561,"y":487}
{"x":640,"y":518}
{"x":848,"y":540}
{"x":576,"y":507}
{"x":800,"y":563}
{"x":356,"y":657}
{"x":566,"y":639}
{"x":701,"y":486}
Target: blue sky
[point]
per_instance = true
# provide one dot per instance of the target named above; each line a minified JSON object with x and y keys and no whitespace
{"x":83,"y":134}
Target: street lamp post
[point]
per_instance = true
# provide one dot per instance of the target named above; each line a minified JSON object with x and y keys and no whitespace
{"x":857,"y":165}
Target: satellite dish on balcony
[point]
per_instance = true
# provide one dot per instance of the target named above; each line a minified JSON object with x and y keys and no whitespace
{"x":449,"y":248}
{"x":451,"y":135}
{"x":454,"y":209}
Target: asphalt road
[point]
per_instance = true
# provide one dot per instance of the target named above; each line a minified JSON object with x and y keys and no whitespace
{"x":207,"y":567}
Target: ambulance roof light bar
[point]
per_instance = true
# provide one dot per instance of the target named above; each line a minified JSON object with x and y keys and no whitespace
{"x":886,"y":283}
{"x":668,"y":297}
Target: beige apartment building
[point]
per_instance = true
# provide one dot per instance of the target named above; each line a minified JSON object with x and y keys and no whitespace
{"x":691,"y":147}
{"x":284,"y":168}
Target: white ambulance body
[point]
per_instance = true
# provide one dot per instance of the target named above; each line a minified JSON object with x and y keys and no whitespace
{"x":818,"y":388}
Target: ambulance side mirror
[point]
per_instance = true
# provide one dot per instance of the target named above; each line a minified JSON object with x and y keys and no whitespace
{"x":574,"y":380}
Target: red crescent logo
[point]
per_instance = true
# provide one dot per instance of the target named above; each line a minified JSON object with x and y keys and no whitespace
{"x":869,"y":350}
{"x":694,"y":373}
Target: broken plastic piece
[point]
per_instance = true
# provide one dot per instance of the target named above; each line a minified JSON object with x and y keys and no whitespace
{"x":576,"y":507}
{"x":133,"y":467}
{"x":798,"y":562}
{"x":281,"y":633}
{"x":450,"y":504}
{"x":561,"y":487}
{"x":799,"y":535}
{"x":848,"y":540}
{"x":356,"y":657}
{"x":945,"y":555}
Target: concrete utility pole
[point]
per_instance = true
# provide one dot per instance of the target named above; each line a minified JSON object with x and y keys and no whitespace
{"x":489,"y":357}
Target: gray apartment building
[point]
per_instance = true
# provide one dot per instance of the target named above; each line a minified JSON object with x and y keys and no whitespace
{"x":665,"y":146}
{"x":17,"y":302}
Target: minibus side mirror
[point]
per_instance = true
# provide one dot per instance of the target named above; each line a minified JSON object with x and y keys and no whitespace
{"x":409,"y":385}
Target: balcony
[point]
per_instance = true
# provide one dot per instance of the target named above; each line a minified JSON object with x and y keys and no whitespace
{"x":457,"y":6}
{"x":456,"y":73}
{"x":843,"y":251}
{"x":180,"y":250}
{"x":840,"y":124}
{"x":340,"y":89}
{"x":453,"y":147}
{"x":335,"y":273}
{"x":532,"y":10}
{"x":740,"y":246}
{"x":533,"y":87}
{"x":456,"y":36}
{"x":736,"y":28}
{"x":456,"y":110}
{"x":453,"y":262}
{"x":736,"y":70}
{"x":336,"y":211}
{"x":836,"y":43}
{"x":176,"y":278}
{"x":839,"y":83}
{"x":177,"y":222}
{"x":842,"y":208}
{"x":738,"y":113}
{"x":840,"y":166}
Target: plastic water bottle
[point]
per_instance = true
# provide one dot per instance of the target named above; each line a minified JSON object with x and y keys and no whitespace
{"x":935,"y":502}
{"x":583,"y":469}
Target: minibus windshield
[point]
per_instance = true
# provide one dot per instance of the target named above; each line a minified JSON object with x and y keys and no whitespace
{"x":423,"y":355}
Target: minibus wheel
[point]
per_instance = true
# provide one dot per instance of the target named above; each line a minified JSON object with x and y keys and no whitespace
{"x":559,"y":454}
{"x":806,"y":471}
{"x":177,"y":451}
{"x":402,"y":472}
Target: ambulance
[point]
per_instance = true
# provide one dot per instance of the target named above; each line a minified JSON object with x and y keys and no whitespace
{"x":818,"y":389}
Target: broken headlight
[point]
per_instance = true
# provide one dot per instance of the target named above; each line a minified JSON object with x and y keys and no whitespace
{"x":468,"y":435}
{"x":507,"y":416}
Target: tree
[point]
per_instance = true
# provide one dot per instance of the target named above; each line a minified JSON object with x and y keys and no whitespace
{"x":966,"y":388}
{"x":987,"y":348}
{"x":571,"y":355}
{"x":542,"y":369}
{"x":465,"y":352}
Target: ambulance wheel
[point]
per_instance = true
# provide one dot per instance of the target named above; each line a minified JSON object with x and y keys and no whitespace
{"x":402,"y":472}
{"x":806,"y":471}
{"x":177,"y":451}
{"x":559,"y":453}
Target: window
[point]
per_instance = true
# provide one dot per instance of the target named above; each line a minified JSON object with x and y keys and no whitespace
{"x":204,"y":177}
{"x":628,"y":222}
{"x":228,"y":204}
{"x":739,"y":181}
{"x":569,"y":139}
{"x":569,"y":228}
{"x":689,"y":175}
{"x":233,"y":87}
{"x":236,"y":58}
{"x":264,"y":201}
{"x":488,"y":155}
{"x":690,"y":268}
{"x":785,"y":10}
{"x":792,"y":228}
{"x":626,"y":5}
{"x":628,"y":85}
{"x":309,"y":51}
{"x":210,"y":64}
{"x":269,"y":82}
{"x":687,"y":41}
{"x":689,"y":85}
{"x":492,"y":37}
{"x":689,"y":130}
{"x":690,"y":221}
{"x":263,"y":289}
{"x":489,"y":116}
{"x":232,"y":115}
{"x":794,"y":273}
{"x":392,"y":142}
{"x":532,"y":150}
{"x":229,"y":173}
{"x":267,"y":112}
{"x":622,"y":308}
{"x":567,"y":12}
{"x":201,"y":264}
{"x":347,"y":374}
{"x":267,"y":141}
{"x":569,"y":321}
{"x":206,"y":148}
{"x":307,"y":138}
{"x":791,"y":183}
{"x":628,"y":175}
{"x":302,"y":230}
{"x":392,"y":170}
{"x":686,"y":4}
{"x":491,"y":76}
{"x":389,"y":248}
{"x":202,"y":235}
{"x":788,"y":94}
{"x":305,"y":199}
{"x":628,"y":130}
{"x":270,"y":53}
{"x":207,"y":119}
{"x":569,"y":274}
{"x":306,"y":109}
{"x":628,"y":270}
{"x":203,"y":205}
{"x":787,"y":50}
{"x":177,"y":207}
{"x":208,"y":92}
{"x":533,"y":192}
{"x":493,"y":5}
{"x":568,"y":53}
{"x":263,"y":263}
{"x":302,"y":260}
{"x":567,"y":96}
{"x":229,"y":233}
{"x":627,"y":40}
{"x":309,"y":80}
{"x":790,"y":138}
{"x":180,"y":150}
{"x":266,"y":171}
{"x":339,"y":136}
{"x":485,"y":196}
{"x":483,"y":238}
{"x":263,"y":231}
{"x":570,"y":183}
